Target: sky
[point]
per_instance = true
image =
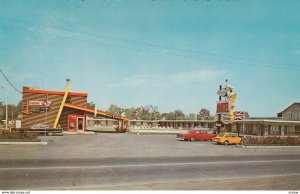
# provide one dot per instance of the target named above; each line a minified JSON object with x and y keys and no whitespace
{"x":169,"y":54}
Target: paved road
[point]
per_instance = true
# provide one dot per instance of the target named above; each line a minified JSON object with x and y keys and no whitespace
{"x":125,"y":161}
{"x":97,"y":173}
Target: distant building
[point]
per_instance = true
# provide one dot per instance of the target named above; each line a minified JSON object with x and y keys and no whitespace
{"x":291,"y":113}
{"x":287,"y":123}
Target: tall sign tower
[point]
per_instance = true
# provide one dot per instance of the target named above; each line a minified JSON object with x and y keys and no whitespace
{"x":225,"y":106}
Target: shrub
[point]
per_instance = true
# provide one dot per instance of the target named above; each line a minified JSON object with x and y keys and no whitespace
{"x":269,"y":140}
{"x":21,"y":134}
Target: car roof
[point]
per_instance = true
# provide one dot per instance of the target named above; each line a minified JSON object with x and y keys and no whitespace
{"x":228,"y":132}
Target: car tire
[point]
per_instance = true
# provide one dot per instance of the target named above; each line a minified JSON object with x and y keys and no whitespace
{"x":192,"y":139}
{"x":226,"y":142}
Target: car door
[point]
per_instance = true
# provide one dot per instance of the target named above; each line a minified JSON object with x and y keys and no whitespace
{"x":234,"y":138}
{"x":197,"y":135}
{"x":205,"y":136}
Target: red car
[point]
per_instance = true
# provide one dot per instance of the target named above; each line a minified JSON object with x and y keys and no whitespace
{"x":196,"y":135}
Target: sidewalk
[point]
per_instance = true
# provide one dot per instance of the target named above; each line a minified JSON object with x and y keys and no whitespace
{"x":23,"y":143}
{"x":78,"y":133}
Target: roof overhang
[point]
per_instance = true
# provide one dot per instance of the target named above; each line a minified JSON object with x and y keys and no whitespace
{"x":53,"y":92}
{"x":267,"y":121}
{"x":98,"y":112}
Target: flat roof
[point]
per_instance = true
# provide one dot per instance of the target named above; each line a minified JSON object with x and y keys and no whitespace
{"x":212,"y":121}
{"x":267,"y":121}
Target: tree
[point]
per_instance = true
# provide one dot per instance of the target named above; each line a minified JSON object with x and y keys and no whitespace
{"x":204,"y":114}
{"x":179,"y":115}
{"x":144,"y":112}
{"x":246,"y":114}
{"x":2,"y":111}
{"x":169,"y":116}
{"x":149,"y":112}
{"x":129,"y":112}
{"x":176,"y":115}
{"x":91,"y":105}
{"x":13,"y":111}
{"x":19,"y":109}
{"x":115,"y":109}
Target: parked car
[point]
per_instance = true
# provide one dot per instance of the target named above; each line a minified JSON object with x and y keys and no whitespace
{"x":227,"y":138}
{"x":196,"y":135}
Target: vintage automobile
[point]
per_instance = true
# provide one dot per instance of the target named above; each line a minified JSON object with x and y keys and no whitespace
{"x":196,"y":135}
{"x":227,"y":138}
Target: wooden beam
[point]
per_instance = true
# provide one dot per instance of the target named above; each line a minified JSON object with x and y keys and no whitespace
{"x":62,"y":105}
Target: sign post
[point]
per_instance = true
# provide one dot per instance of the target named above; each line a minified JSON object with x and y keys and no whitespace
{"x":46,"y":114}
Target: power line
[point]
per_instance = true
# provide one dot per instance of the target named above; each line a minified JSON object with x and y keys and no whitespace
{"x":165,"y":53}
{"x":10,"y":82}
{"x":158,"y":52}
{"x":226,"y":58}
{"x":27,"y":22}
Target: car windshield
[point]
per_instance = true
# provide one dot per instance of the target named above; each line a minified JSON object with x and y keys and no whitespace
{"x":221,"y":135}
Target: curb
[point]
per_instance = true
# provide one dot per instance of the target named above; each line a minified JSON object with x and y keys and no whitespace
{"x":24,"y":143}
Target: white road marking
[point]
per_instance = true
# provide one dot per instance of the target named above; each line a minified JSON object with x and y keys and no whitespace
{"x":144,"y":165}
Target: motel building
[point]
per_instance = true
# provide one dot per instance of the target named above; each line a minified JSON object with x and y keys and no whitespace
{"x":62,"y":109}
{"x":287,"y":123}
{"x":68,"y":110}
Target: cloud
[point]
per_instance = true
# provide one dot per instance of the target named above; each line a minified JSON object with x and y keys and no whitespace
{"x":197,"y":76}
{"x":139,"y":80}
{"x":149,"y":80}
{"x":27,"y":76}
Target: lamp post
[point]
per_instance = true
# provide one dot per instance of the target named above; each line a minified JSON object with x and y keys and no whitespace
{"x":5,"y":106}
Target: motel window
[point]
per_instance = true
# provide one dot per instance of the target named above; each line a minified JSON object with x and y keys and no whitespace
{"x":291,"y":115}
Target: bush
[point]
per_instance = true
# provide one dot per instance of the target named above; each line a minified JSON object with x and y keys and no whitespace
{"x":277,"y":140}
{"x":22,"y":134}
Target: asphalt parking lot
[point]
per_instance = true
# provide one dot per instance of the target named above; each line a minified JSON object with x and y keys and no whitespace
{"x":112,"y":145}
{"x":111,"y":161}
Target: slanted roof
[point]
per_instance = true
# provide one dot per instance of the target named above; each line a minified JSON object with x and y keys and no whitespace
{"x":280,"y":113}
{"x":53,"y":92}
{"x":98,"y":112}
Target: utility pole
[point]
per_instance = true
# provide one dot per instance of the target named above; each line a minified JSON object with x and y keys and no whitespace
{"x":6,"y":117}
{"x":219,"y":115}
{"x":46,"y":114}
